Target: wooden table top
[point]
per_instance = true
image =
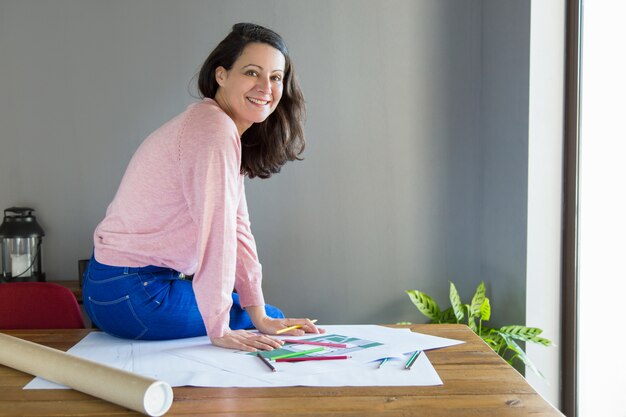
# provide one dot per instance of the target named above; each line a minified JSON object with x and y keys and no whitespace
{"x":476,"y":382}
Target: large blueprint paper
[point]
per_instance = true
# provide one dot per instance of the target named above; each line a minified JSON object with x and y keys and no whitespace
{"x":196,"y":362}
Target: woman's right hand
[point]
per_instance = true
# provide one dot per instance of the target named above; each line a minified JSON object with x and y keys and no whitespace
{"x":247,"y":341}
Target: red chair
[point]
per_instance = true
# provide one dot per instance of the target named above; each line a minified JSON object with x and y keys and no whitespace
{"x":38,"y":305}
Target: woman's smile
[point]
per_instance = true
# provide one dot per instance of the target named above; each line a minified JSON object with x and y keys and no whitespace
{"x":259,"y":101}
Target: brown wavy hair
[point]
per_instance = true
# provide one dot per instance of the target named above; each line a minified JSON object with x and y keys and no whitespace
{"x":268,"y":145}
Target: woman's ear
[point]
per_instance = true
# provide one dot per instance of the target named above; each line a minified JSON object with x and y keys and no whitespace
{"x":220,"y":75}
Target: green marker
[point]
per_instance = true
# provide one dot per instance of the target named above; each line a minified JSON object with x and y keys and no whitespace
{"x":412,"y":359}
{"x":294,"y":354}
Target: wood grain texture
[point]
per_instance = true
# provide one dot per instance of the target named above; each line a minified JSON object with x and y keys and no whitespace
{"x":477,"y":382}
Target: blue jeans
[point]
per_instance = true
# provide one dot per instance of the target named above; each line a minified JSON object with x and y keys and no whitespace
{"x":149,"y":303}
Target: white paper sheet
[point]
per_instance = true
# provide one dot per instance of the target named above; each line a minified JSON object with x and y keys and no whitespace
{"x":196,"y":362}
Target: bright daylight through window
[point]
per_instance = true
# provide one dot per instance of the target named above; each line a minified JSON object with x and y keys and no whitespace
{"x":602,"y":246}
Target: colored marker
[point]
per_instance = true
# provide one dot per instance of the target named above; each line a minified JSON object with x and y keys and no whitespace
{"x":412,"y":360}
{"x":315,"y":358}
{"x":311,"y":342}
{"x":266,"y":362}
{"x":295,"y":354}
{"x":380,"y":365}
{"x":297,"y":326}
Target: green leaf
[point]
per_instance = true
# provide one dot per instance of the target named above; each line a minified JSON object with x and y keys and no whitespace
{"x":491,"y":342}
{"x":472,"y":325}
{"x":521,"y":332}
{"x":485,"y":310}
{"x":541,"y":341}
{"x":426,"y":305}
{"x":448,"y":316}
{"x":457,"y":306}
{"x":510,"y":344}
{"x":477,"y":300}
{"x":489,"y":331}
{"x":492,"y":338}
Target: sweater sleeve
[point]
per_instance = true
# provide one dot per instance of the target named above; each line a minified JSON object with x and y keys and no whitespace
{"x":249,"y":274}
{"x":210,"y":155}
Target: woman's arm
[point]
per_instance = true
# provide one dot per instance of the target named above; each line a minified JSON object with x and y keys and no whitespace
{"x":248,"y":274}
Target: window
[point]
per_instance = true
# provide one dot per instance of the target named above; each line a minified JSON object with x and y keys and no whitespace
{"x":602,"y":211}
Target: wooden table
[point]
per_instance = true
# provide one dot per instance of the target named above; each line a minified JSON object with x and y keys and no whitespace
{"x":477,"y":382}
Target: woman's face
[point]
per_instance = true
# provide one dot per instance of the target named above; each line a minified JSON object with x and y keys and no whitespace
{"x":250,"y":91}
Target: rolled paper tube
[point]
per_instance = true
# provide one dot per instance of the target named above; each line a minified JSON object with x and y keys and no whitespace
{"x":136,"y":392}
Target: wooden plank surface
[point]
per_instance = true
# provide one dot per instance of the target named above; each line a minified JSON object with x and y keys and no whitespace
{"x":477,"y":382}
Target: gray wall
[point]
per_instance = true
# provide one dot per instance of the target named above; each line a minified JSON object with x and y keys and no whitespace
{"x":415,"y":169}
{"x":504,"y":154}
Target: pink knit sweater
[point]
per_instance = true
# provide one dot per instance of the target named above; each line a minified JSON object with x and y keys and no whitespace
{"x":182,"y":205}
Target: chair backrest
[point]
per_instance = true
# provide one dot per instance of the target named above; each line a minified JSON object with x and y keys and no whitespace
{"x":38,"y":305}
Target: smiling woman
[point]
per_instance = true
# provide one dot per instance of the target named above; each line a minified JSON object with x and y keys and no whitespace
{"x":249,"y":93}
{"x":251,"y":76}
{"x":181,"y":209}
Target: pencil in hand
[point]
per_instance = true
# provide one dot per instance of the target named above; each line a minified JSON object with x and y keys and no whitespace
{"x":296,"y":326}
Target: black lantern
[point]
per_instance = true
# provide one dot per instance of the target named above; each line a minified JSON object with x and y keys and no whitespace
{"x":21,"y":246}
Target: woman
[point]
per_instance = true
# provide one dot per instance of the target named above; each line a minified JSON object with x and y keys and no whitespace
{"x":181,"y":208}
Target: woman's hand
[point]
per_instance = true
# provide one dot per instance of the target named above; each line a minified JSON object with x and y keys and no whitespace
{"x":272,"y":326}
{"x":247,"y":341}
{"x":268,"y":325}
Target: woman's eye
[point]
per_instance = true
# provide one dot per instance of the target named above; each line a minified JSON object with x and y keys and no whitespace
{"x":251,"y":73}
{"x":277,"y":78}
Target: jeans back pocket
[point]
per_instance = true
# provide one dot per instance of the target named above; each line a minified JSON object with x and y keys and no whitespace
{"x":117,"y":317}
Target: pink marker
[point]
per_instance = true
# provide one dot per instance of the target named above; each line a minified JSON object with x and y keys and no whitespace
{"x":310,"y":342}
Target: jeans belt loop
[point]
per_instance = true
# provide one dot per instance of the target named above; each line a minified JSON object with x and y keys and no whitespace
{"x":125,"y":270}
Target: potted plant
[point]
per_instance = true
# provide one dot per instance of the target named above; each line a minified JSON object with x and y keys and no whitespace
{"x":503,"y":340}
